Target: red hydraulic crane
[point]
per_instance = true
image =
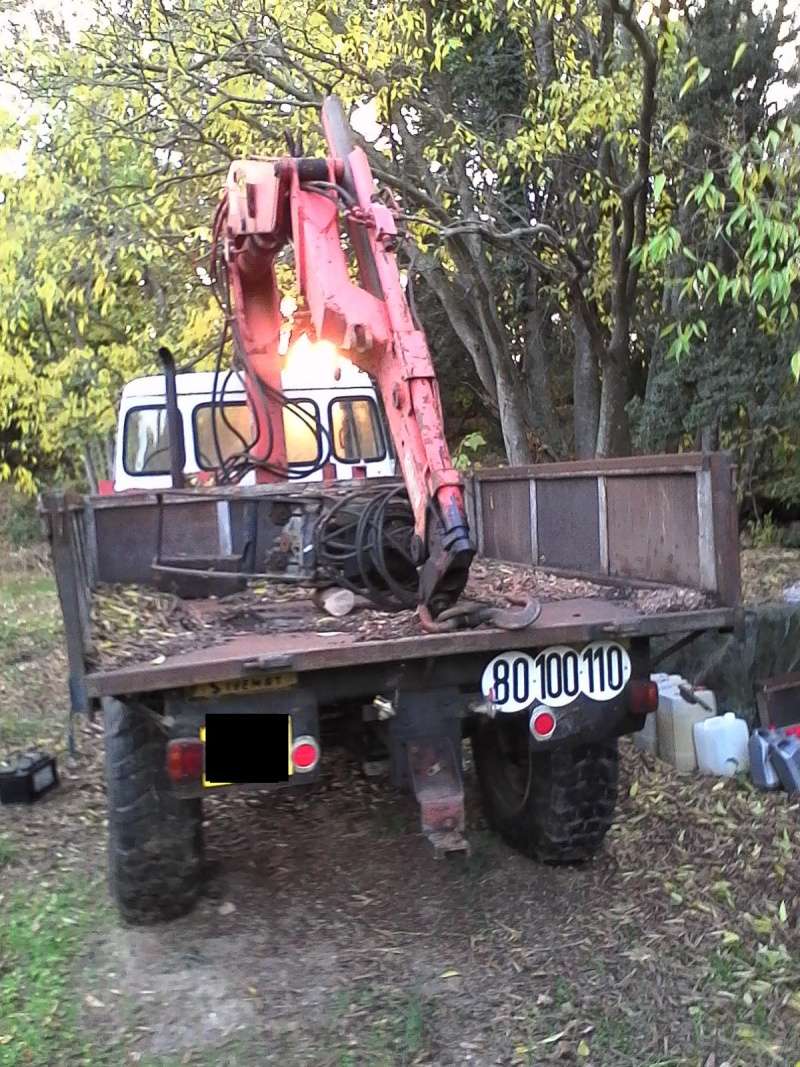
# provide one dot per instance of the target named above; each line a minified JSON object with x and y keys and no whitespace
{"x":270,"y":202}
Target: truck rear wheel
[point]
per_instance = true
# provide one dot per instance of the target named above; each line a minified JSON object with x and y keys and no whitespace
{"x":155,"y":839}
{"x":555,"y":806}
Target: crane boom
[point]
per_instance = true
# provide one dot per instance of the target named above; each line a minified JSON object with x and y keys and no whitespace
{"x":269,"y":203}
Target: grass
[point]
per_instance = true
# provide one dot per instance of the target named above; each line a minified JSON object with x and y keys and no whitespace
{"x":41,"y":936}
{"x":42,"y":926}
{"x":613,"y":1035}
{"x":29,"y":615}
{"x":30,"y":658}
{"x":8,"y":851}
{"x":379,"y":1030}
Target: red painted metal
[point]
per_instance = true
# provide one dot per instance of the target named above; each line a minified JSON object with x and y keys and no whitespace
{"x":271,"y":202}
{"x":436,"y":778}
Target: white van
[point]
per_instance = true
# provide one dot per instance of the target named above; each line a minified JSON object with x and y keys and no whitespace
{"x":344,"y":407}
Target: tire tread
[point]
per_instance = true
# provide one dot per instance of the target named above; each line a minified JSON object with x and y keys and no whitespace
{"x":155,"y":844}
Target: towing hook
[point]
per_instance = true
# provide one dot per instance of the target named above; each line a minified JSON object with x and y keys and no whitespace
{"x":468,"y":616}
{"x":529,"y":610}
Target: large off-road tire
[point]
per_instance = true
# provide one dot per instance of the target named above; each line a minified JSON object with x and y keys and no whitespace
{"x":155,"y":839}
{"x":555,"y":806}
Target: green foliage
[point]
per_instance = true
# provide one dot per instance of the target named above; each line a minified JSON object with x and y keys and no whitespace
{"x":536,"y":209}
{"x":763,"y":532}
{"x":468,"y":448}
{"x":20,"y":524}
{"x":723,"y":366}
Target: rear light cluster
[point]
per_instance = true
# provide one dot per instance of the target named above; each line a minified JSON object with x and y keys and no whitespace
{"x":543,"y":724}
{"x":185,"y":760}
{"x":185,"y":757}
{"x":642,"y":700}
{"x":642,"y":696}
{"x":305,"y":753}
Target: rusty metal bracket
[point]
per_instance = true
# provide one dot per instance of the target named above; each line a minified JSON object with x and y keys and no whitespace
{"x":435,"y":772}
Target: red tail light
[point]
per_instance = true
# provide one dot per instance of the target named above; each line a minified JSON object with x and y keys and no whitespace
{"x":185,"y":760}
{"x":543,"y":724}
{"x":305,"y":754}
{"x":643,"y":697}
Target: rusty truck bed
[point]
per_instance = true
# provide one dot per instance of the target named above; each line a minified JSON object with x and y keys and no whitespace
{"x":631,"y":548}
{"x":561,"y":622}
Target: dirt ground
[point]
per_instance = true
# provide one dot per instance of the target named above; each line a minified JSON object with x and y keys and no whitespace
{"x":330,"y":937}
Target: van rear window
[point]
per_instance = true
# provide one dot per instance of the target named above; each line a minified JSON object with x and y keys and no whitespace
{"x":235,"y":431}
{"x":356,"y":430}
{"x":146,"y":441}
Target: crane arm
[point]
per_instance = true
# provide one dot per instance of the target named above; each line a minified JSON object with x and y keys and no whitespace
{"x":298,"y":200}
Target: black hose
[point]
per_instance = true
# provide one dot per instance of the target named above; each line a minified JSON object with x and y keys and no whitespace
{"x":363,"y":543}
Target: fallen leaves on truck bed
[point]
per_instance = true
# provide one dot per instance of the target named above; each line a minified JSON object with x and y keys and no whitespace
{"x":489,"y":579}
{"x":133,"y":624}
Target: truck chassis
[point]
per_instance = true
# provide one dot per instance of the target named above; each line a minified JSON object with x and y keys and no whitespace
{"x":648,"y":523}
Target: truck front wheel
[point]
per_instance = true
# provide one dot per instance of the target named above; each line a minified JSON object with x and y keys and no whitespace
{"x":155,"y":839}
{"x":555,"y":806}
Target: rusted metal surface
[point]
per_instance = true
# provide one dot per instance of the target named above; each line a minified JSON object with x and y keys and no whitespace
{"x":778,"y":700}
{"x":127,"y":538}
{"x":435,"y":773}
{"x":653,"y":528}
{"x":270,"y":528}
{"x":72,"y":565}
{"x":668,"y":519}
{"x":684,"y":462}
{"x":119,"y":533}
{"x":567,"y":524}
{"x":564,"y":622}
{"x":506,"y":520}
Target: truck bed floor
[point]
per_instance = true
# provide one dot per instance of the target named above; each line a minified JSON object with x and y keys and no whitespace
{"x":148,"y":640}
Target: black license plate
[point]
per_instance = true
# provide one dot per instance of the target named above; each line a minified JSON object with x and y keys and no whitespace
{"x":252,"y":748}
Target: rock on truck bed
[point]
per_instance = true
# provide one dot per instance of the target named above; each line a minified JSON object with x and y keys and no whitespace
{"x":135,"y":624}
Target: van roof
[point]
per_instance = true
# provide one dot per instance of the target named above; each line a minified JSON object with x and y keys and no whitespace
{"x":296,"y":377}
{"x":187,"y":384}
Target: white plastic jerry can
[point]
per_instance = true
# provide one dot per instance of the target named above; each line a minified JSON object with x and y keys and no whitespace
{"x":706,"y":697}
{"x":646,"y":740}
{"x":722,"y":745}
{"x":676,"y":718}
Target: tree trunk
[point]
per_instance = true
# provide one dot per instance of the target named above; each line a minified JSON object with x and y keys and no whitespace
{"x":512,"y":419}
{"x":709,"y":438}
{"x":613,"y":431}
{"x":464,"y":326}
{"x":537,"y":372}
{"x":90,"y":468}
{"x":491,"y":359}
{"x":585,"y":388}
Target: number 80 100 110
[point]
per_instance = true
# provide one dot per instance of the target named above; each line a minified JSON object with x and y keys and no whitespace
{"x":556,"y":676}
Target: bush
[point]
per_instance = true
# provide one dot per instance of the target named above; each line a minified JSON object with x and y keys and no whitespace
{"x":19,"y":522}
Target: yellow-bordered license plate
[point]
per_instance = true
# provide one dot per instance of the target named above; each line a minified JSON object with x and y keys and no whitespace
{"x":258,"y":684}
{"x":248,"y":747}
